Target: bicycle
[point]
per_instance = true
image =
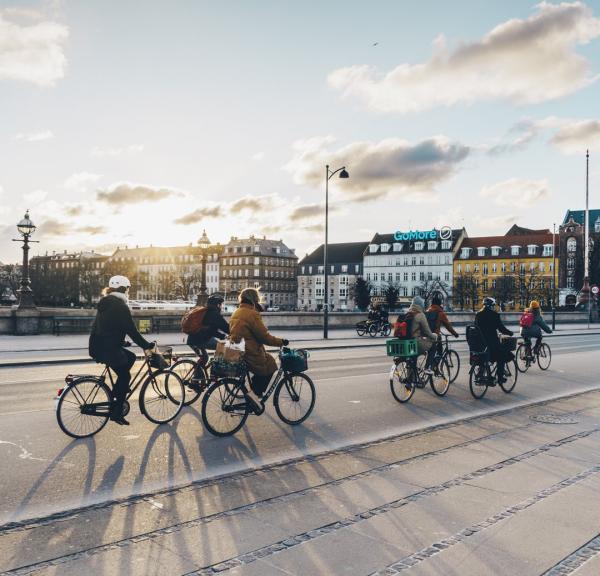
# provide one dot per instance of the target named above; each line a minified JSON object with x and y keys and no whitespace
{"x":483,"y":373}
{"x":526,"y":356}
{"x":83,"y":405}
{"x":225,"y":406}
{"x":450,"y":356}
{"x":362,"y":327}
{"x":382,"y":327}
{"x":194,"y":374}
{"x":406,"y":375}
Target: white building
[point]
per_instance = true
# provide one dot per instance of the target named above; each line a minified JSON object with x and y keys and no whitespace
{"x":416,"y":261}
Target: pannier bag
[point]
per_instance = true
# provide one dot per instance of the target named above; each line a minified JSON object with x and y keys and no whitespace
{"x":192,"y":320}
{"x":403,"y":326}
{"x":526,"y":320}
{"x":475,"y":339}
{"x":221,"y":368}
{"x":399,"y":348}
{"x":295,"y":360}
{"x":508,"y":342}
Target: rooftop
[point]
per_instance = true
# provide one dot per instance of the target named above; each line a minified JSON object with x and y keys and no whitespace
{"x":343,"y":253}
{"x":579,"y":216}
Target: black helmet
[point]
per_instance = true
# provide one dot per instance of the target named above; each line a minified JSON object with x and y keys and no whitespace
{"x":436,"y":299}
{"x":489,"y":302}
{"x":215,"y":299}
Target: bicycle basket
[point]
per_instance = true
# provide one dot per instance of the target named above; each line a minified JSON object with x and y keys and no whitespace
{"x":401,"y":348}
{"x":221,"y":368}
{"x":509,"y":343}
{"x":158,"y":361}
{"x":294,"y":360}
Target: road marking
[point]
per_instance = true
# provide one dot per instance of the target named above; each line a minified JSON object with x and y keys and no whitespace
{"x":25,"y":454}
{"x":131,"y":436}
{"x":354,"y":401}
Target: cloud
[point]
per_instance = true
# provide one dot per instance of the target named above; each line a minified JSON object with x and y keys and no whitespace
{"x":258,"y":156}
{"x":309,"y":211}
{"x":35,"y":136}
{"x":494,"y":225}
{"x":54,"y":227}
{"x":516,"y":192}
{"x":271,"y":230}
{"x":92,"y":230}
{"x":522,"y":61}
{"x":376,"y":169}
{"x":32,"y":53}
{"x":200,"y":214}
{"x":577,"y":136}
{"x":35,"y":197}
{"x":126,"y":193}
{"x":75,"y":210}
{"x":519,"y":136}
{"x":252,"y":204}
{"x":81,"y":181}
{"x":314,"y":228}
{"x":112,"y":152}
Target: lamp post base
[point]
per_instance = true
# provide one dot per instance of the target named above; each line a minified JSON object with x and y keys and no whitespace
{"x":27,"y":321}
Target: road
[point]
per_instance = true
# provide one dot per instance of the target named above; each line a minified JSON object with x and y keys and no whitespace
{"x":45,"y":472}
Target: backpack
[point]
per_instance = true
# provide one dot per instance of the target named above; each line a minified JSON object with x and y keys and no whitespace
{"x":432,"y":318}
{"x":192,"y":320}
{"x":526,"y":320}
{"x":403,"y":326}
{"x":475,"y":339}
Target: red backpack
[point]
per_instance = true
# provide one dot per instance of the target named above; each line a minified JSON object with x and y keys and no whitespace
{"x":403,"y":326}
{"x":192,"y":320}
{"x":526,"y":320}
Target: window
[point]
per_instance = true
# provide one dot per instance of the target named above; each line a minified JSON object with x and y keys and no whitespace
{"x":493,"y":283}
{"x":389,"y":276}
{"x":570,"y":263}
{"x":522,"y":268}
{"x":375,"y":276}
{"x":422,"y":260}
{"x":419,"y":245}
{"x":446,"y":245}
{"x":548,"y":250}
{"x":494,"y":268}
{"x":429,"y":260}
{"x":413,"y":276}
{"x":597,"y":225}
{"x":475,"y":267}
{"x":503,"y":266}
{"x":413,"y":261}
{"x":571,"y":245}
{"x":468,"y":268}
{"x":481,"y":251}
{"x":256,"y":272}
{"x":465,"y":252}
{"x":406,"y":260}
{"x":321,"y":269}
{"x":570,"y":282}
{"x":429,"y":276}
{"x":385,"y":247}
{"x":447,"y":276}
{"x":357,"y":268}
{"x":431,"y":245}
{"x":344,"y":268}
{"x":514,"y":250}
{"x":256,"y":260}
{"x":369,"y":276}
{"x":531,"y":248}
{"x":397,"y":246}
{"x":485,"y":269}
{"x":459,"y":268}
{"x":397,"y":276}
{"x":405,"y":276}
{"x":542,"y":267}
{"x":373,"y":248}
{"x":513,"y":266}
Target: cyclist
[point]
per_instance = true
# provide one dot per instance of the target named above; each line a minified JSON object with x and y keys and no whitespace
{"x":213,"y":327}
{"x":107,"y":340}
{"x":420,"y":329}
{"x":436,"y":317}
{"x":489,"y":323}
{"x":535,"y":330}
{"x":247,"y":323}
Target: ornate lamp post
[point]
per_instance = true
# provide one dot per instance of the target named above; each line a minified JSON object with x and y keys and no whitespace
{"x":328,"y":176}
{"x":26,"y":228}
{"x":204,"y":244}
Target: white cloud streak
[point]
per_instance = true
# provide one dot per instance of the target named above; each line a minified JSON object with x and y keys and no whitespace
{"x":32,"y":53}
{"x":522,"y":61}
{"x":112,"y":152}
{"x":517,"y":192}
{"x":35,"y":136}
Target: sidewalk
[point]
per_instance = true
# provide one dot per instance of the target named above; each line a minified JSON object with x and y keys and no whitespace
{"x":48,"y":348}
{"x":513,"y":493}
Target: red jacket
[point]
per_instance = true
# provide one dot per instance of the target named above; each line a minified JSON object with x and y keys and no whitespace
{"x":442,"y":320}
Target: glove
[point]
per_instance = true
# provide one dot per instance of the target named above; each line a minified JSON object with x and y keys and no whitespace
{"x":285,"y":342}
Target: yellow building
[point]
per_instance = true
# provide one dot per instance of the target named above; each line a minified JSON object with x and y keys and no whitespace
{"x":514,"y":269}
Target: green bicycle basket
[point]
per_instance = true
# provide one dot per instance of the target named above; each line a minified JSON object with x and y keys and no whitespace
{"x":294,"y":360}
{"x":401,"y":348}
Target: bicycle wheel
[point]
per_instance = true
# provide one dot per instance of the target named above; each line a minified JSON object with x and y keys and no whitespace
{"x":452,"y":360}
{"x":223,"y":413}
{"x":401,"y":386}
{"x":477,"y":379}
{"x":162,"y":396}
{"x":544,"y":356}
{"x":386,"y":329}
{"x":373,"y":330}
{"x":510,"y":373}
{"x":521,"y":358}
{"x":361,"y":328}
{"x":294,"y":398}
{"x":193,"y":377}
{"x":440,"y":379}
{"x":83,"y":407}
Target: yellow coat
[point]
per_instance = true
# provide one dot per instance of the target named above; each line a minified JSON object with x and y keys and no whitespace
{"x":247,"y":323}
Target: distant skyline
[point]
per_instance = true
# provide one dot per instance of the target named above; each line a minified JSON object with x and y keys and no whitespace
{"x":127,"y":123}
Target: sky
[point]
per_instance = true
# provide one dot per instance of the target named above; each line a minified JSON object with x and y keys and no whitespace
{"x":125,"y":123}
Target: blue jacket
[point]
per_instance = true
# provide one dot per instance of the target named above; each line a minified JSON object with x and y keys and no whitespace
{"x":539,"y":324}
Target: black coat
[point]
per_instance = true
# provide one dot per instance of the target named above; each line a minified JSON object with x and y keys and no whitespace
{"x":489,"y":323}
{"x":112,"y":323}
{"x":213,"y":325}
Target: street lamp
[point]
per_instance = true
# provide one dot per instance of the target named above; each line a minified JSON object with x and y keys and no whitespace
{"x":554,"y":276}
{"x":328,"y":176}
{"x":26,"y":228}
{"x":204,"y":244}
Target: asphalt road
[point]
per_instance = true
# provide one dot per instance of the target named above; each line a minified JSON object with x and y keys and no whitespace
{"x":44,"y":471}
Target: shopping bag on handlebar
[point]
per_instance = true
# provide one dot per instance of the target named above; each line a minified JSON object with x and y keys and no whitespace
{"x":294,"y":360}
{"x":230,"y":351}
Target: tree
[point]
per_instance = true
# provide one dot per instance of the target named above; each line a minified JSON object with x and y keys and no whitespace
{"x":187,"y":281}
{"x":90,"y":283}
{"x":466,"y":290}
{"x":427,"y":288}
{"x":504,"y":289}
{"x":361,"y":293}
{"x":390,"y":294}
{"x":528,"y":285}
{"x":10,"y":282}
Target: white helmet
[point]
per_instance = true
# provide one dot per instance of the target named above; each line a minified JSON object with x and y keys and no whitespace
{"x":119,"y":282}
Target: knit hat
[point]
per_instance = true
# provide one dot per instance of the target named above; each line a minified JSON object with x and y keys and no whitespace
{"x":534,"y":304}
{"x":418,"y":301}
{"x":250,"y":295}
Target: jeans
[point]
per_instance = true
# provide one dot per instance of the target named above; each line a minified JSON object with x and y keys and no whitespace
{"x":121,"y":364}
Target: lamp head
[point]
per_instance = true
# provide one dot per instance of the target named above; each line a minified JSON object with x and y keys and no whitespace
{"x":26,"y":227}
{"x":344,"y":173}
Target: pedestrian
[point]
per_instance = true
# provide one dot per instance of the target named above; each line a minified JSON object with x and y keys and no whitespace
{"x":107,"y":340}
{"x":246,"y":323}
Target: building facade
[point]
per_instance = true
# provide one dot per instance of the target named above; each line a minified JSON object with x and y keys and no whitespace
{"x":571,"y":253}
{"x":514,"y":269}
{"x":260,"y":263}
{"x":345,"y":263}
{"x":417,"y":262}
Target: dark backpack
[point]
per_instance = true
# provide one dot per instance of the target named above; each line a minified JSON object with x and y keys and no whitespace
{"x":432,"y":318}
{"x":403,"y":326}
{"x":475,"y":339}
{"x":192,"y":321}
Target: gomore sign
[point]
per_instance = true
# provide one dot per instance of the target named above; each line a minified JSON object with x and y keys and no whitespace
{"x":445,"y":234}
